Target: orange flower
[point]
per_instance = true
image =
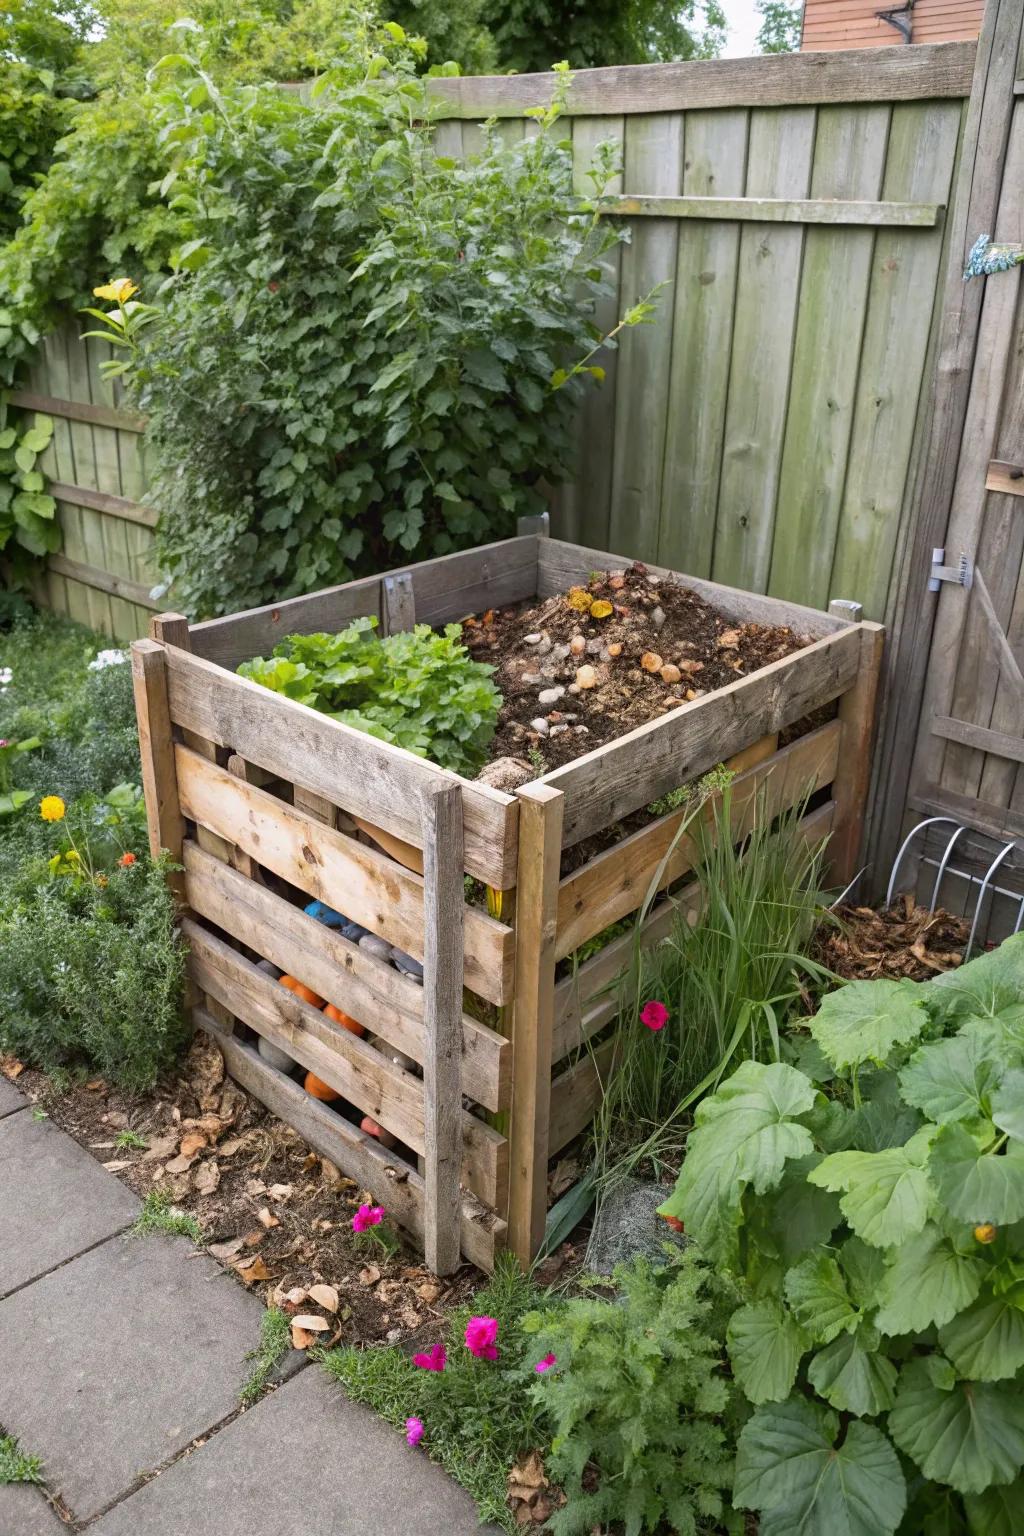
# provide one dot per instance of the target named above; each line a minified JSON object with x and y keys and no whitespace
{"x":126,"y":859}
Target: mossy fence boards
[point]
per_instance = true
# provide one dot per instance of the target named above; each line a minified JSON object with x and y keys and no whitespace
{"x":104,"y":572}
{"x":261,"y":801}
{"x":762,"y":432}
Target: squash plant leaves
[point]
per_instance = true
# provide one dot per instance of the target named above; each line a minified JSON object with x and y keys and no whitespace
{"x":765,"y":1346}
{"x":969,"y":1435}
{"x":931,"y":1278}
{"x":816,"y":1291}
{"x":986,"y":1342}
{"x":975,"y":1184}
{"x":886,"y":1194}
{"x":864,"y":1020}
{"x":952,"y":1079}
{"x":793,"y":1469}
{"x":852,"y":1376}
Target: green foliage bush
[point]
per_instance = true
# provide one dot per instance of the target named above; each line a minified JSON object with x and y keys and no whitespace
{"x":32,"y":119}
{"x":91,"y":975}
{"x":532,"y":34}
{"x":417,"y":689}
{"x":872,"y":1206}
{"x":359,"y":348}
{"x":639,"y":1407}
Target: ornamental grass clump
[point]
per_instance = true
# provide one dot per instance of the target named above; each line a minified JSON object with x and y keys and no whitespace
{"x":871,"y":1208}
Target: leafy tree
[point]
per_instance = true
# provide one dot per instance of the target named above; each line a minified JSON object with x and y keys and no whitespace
{"x":533,"y":34}
{"x":781,"y":27}
{"x":454,"y":30}
{"x":45,"y":36}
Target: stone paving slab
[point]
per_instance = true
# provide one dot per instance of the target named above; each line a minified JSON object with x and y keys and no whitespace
{"x":25,"y":1511}
{"x":304,"y":1462}
{"x":55,"y":1200}
{"x":114,"y":1363}
{"x":10,"y":1100}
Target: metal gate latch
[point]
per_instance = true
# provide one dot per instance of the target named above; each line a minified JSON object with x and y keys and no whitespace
{"x":960,"y":573}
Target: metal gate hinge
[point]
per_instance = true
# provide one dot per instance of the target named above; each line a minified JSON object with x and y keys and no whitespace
{"x":962,"y":573}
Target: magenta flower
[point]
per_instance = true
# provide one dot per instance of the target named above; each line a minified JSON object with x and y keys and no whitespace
{"x":654,"y":1015}
{"x":481,"y":1333}
{"x":367,"y":1216}
{"x":548,"y":1363}
{"x":413,"y":1431}
{"x":435,"y":1360}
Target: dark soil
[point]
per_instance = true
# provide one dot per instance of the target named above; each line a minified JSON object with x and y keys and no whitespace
{"x":278,"y":1216}
{"x":653,"y":646}
{"x":901,"y":940}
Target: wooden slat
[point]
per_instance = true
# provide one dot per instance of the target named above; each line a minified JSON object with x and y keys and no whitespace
{"x":703,"y":298}
{"x":608,"y":784}
{"x":654,"y":161}
{"x":442,"y":1022}
{"x":445,"y":589}
{"x":778,"y":210}
{"x":360,"y":1073}
{"x":367,"y":886}
{"x":849,"y":158}
{"x":586,"y":1000}
{"x":102,"y":581}
{"x":78,"y":410}
{"x":617,"y":881}
{"x":888,"y":419}
{"x":795,"y":79}
{"x":100,"y":501}
{"x":387,"y":1003}
{"x":857,"y":710}
{"x":577,"y":1092}
{"x":980,"y":737}
{"x":562,"y":565}
{"x":779,"y":161}
{"x":1004,"y":477}
{"x":540,"y":842}
{"x":389,"y":1179}
{"x":398,"y":603}
{"x":156,"y":749}
{"x":368,"y":777}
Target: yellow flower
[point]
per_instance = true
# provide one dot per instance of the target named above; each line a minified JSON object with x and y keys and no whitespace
{"x":51,"y":808}
{"x":102,"y":881}
{"x":120,"y":290}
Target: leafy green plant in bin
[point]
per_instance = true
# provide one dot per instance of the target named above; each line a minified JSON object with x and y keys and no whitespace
{"x":418,"y":689}
{"x":876,"y":1224}
{"x":12,"y":800}
{"x":27,"y":513}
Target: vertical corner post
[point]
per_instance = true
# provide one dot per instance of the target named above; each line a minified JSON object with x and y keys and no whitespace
{"x":857,"y":711}
{"x":443,"y":906}
{"x":156,"y":745}
{"x":540,"y":850}
{"x":398,"y":603}
{"x":539,"y":523}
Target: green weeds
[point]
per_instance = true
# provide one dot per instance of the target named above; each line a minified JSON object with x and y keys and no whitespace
{"x":158,"y":1214}
{"x":275,"y":1342}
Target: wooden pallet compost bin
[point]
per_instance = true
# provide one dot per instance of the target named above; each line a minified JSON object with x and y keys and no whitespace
{"x":254,"y":796}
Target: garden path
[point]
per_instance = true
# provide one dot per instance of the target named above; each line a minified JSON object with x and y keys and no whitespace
{"x":121,"y":1364}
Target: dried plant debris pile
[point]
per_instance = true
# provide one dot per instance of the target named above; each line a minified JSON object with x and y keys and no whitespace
{"x":591,"y":664}
{"x":901,"y":940}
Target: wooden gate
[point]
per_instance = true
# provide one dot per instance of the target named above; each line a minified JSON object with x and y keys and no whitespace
{"x":960,"y":650}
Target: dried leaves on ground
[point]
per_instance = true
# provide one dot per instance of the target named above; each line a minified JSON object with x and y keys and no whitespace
{"x":901,"y":940}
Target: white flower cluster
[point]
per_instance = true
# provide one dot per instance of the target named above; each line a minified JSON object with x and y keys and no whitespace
{"x":108,"y":659}
{"x":6,"y":678}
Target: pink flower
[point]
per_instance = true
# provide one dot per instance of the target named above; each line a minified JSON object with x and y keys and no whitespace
{"x":367,"y":1216}
{"x":481,"y":1333}
{"x":543,"y":1366}
{"x":654,"y":1015}
{"x":413,"y":1431}
{"x":435,"y":1360}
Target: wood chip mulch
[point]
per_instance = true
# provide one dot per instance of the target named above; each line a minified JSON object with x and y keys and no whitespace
{"x":903,"y":940}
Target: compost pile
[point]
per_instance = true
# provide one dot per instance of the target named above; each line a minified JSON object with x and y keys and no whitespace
{"x":903,"y":940}
{"x":591,"y":664}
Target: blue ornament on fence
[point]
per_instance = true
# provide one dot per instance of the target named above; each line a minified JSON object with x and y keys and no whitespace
{"x":986,"y":258}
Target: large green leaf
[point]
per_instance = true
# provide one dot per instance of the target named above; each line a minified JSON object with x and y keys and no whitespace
{"x":931,"y":1278}
{"x":981,"y":989}
{"x":997,"y":1511}
{"x":1008,"y":1104}
{"x":817,"y":1293}
{"x":864,"y":1020}
{"x":886,"y":1193}
{"x":952,"y":1079}
{"x":852,"y":1375}
{"x":975,"y":1185}
{"x":765,"y":1345}
{"x":986,"y":1342}
{"x":796,"y":1217}
{"x":743,"y":1136}
{"x":969,"y":1436}
{"x":789,"y":1468}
